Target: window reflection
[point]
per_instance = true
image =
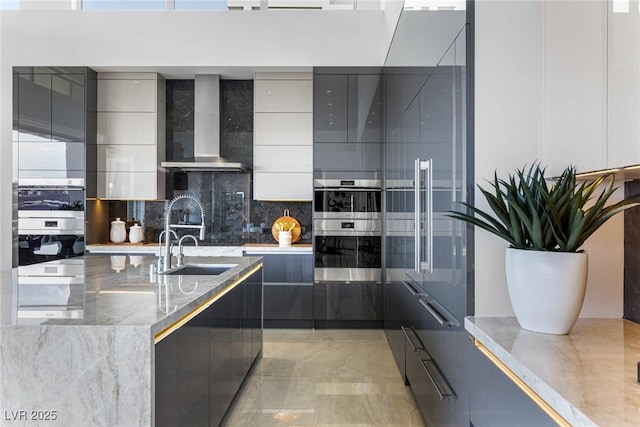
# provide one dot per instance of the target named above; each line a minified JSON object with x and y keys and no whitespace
{"x":201,"y":4}
{"x":9,"y":4}
{"x":124,"y":4}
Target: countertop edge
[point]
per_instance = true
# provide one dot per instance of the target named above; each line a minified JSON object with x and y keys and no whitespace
{"x":183,"y":311}
{"x":553,"y":398}
{"x":199,"y":250}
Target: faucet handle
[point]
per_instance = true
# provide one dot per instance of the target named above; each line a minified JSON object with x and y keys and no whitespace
{"x":179,"y":259}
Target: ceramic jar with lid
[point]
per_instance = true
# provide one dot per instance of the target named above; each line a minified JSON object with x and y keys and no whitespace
{"x":135,"y":233}
{"x":118,"y":232}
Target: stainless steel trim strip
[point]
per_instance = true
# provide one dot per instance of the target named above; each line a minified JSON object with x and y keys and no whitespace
{"x":359,"y":216}
{"x":347,"y":275}
{"x":347,"y":184}
{"x":77,"y":183}
{"x":79,"y":215}
{"x":416,"y":228}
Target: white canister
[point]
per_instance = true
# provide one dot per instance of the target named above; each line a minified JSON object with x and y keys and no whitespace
{"x":284,"y":239}
{"x":118,"y":262}
{"x":135,"y":233}
{"x":118,"y":232}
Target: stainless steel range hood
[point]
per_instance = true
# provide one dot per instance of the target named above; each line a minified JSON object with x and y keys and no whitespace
{"x":206,"y":143}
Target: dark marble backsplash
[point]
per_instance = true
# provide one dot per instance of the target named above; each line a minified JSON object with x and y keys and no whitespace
{"x":632,"y":256}
{"x":231,"y":216}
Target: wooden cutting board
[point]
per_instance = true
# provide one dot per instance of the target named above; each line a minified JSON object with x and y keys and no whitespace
{"x":287,"y":220}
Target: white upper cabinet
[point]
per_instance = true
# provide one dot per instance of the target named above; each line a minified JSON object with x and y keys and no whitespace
{"x":574,"y":86}
{"x":283,"y":136}
{"x":137,"y":95}
{"x":283,"y":128}
{"x":624,"y":84}
{"x":131,"y":136}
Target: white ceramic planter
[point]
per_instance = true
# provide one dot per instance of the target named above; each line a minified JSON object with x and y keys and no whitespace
{"x":546,"y":288}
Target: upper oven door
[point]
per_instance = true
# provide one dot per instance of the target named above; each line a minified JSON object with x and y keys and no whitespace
{"x":357,"y":199}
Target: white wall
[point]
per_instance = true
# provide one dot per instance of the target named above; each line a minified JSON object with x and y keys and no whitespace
{"x":177,"y":39}
{"x":510,"y":111}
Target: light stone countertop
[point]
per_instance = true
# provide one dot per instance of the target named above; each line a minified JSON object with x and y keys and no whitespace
{"x":152,"y":248}
{"x":97,"y":369}
{"x":588,"y":377}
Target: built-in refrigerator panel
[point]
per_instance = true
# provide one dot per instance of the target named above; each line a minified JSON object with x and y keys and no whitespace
{"x":425,"y":264}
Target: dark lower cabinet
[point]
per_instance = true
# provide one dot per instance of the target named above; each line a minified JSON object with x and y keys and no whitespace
{"x":348,"y":304}
{"x":288,"y":290}
{"x":200,"y":367}
{"x":288,"y":303}
{"x":393,"y":322}
{"x":193,"y":371}
{"x":220,"y":380}
{"x":166,"y":382}
{"x":495,"y":400}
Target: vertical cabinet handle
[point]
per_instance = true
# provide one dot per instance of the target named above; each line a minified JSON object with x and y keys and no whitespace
{"x":417,"y":206}
{"x":420,"y":264}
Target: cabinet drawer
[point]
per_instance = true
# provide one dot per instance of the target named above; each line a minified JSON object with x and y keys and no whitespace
{"x":127,"y":158}
{"x":283,"y":128}
{"x":274,"y":158}
{"x":282,"y":186}
{"x":53,"y":156}
{"x":282,"y":96}
{"x":127,"y":95}
{"x":288,"y":302}
{"x":353,"y":301}
{"x":126,"y":128}
{"x":287,"y":268}
{"x":127,"y":185}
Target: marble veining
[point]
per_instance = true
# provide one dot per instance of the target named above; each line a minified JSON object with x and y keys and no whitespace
{"x":588,"y":376}
{"x":97,"y":369}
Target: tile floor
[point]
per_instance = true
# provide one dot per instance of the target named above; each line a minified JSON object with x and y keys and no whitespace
{"x":324,"y":378}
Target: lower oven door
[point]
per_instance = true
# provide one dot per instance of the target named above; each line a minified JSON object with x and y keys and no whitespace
{"x":51,"y":290}
{"x":37,"y":248}
{"x":348,"y":257}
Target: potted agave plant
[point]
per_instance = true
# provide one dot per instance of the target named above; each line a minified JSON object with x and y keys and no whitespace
{"x":545,"y":224}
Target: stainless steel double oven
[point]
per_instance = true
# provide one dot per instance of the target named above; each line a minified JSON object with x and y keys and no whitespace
{"x":51,"y":221}
{"x":347,"y":224}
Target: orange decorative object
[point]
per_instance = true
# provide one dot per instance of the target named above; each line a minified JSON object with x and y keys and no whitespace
{"x":285,"y":223}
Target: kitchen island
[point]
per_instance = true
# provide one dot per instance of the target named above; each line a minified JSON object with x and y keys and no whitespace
{"x":586,"y":378}
{"x":97,"y":361}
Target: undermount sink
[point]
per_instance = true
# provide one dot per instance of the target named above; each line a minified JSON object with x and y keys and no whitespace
{"x":199,"y":269}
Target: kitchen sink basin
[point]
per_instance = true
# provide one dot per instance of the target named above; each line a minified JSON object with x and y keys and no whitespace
{"x":199,"y":269}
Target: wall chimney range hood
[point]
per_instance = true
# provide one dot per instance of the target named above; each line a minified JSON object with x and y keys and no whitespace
{"x":206,"y":143}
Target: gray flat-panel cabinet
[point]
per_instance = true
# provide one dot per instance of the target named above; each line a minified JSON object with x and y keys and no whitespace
{"x":54,"y":124}
{"x":34,"y":107}
{"x":288,"y":289}
{"x":495,"y":401}
{"x":201,"y":366}
{"x":364,"y":108}
{"x":330,"y":109}
{"x":347,"y":122}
